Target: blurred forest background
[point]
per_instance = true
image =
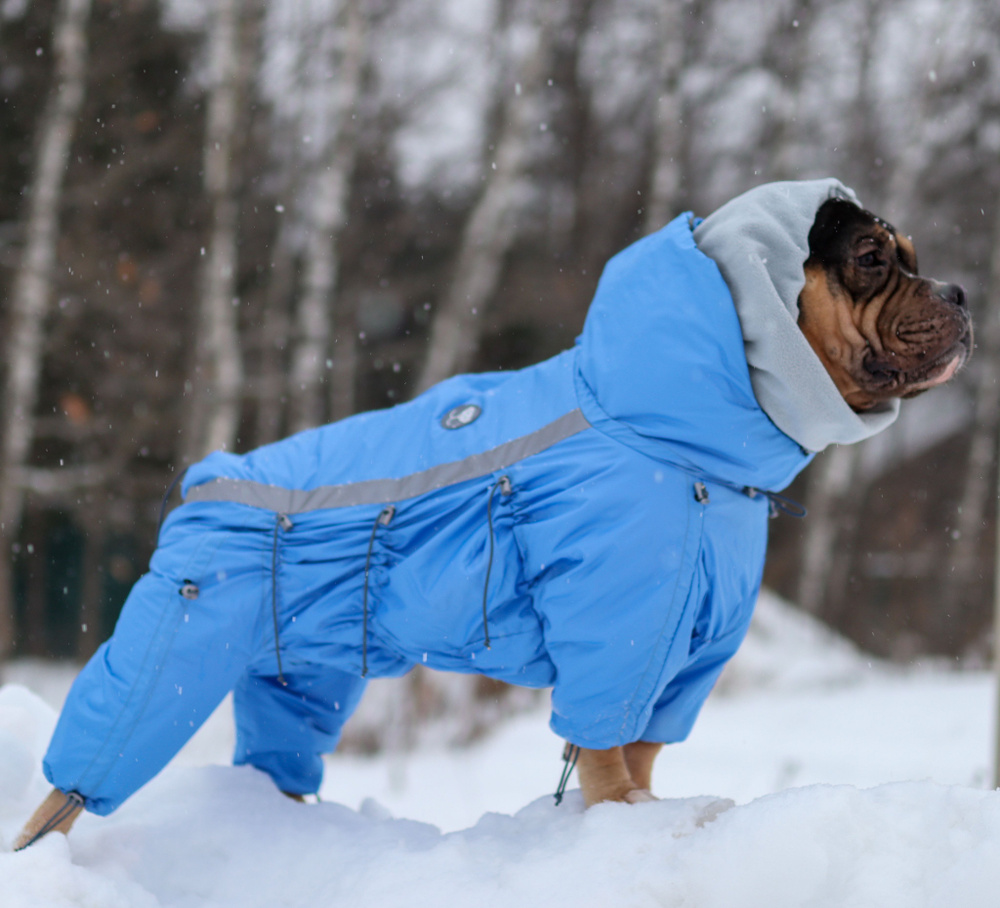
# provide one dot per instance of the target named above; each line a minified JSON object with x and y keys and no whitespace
{"x":225,"y":220}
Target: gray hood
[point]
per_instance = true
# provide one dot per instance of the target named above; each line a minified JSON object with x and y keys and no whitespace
{"x":760,"y":241}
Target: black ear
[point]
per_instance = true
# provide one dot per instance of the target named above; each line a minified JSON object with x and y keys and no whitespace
{"x":832,"y":229}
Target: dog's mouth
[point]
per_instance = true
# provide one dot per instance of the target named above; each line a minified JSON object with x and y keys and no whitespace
{"x":943,"y":369}
{"x":890,"y":377}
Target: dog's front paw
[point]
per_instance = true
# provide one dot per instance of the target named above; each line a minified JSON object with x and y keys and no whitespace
{"x":640,"y":796}
{"x":56,"y":813}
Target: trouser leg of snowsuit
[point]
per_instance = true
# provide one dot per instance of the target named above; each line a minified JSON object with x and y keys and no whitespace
{"x":283,"y":727}
{"x":171,"y":661}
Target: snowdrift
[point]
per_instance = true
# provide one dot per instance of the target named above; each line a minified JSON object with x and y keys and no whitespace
{"x":224,"y":837}
{"x":214,"y":836}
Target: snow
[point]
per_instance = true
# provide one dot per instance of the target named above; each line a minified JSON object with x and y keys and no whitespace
{"x":815,"y":777}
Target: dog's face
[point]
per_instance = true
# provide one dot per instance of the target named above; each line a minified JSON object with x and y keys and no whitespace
{"x":880,"y":330}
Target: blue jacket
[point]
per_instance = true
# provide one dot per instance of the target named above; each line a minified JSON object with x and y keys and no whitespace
{"x":593,"y":514}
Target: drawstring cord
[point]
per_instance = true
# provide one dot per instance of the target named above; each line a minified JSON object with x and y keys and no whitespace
{"x":190,"y":589}
{"x":385,"y":515}
{"x":73,"y":802}
{"x":166,"y":498}
{"x":503,"y":484}
{"x":281,"y":522}
{"x":571,"y":753}
{"x":383,"y":519}
{"x":777,"y":503}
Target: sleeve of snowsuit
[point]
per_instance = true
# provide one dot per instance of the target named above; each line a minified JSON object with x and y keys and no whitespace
{"x":618,"y":616}
{"x":284,"y":727}
{"x":676,"y":710}
{"x":171,"y":656}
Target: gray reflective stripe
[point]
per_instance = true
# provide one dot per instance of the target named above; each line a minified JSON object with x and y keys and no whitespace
{"x":382,"y":491}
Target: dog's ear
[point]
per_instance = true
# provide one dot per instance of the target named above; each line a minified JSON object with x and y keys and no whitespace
{"x":833,"y":229}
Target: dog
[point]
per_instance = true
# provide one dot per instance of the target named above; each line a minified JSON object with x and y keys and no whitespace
{"x":607,"y":508}
{"x":882,"y":332}
{"x":879,"y":329}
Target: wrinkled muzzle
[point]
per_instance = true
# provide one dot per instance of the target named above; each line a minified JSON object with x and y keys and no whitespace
{"x":927,"y":335}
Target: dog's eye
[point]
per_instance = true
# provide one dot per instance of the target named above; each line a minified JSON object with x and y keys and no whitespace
{"x":869,"y":260}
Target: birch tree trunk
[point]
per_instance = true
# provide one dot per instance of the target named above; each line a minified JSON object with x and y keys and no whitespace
{"x":217,"y":379}
{"x":993,"y":307}
{"x":328,"y":216}
{"x":867,"y":131}
{"x":668,"y":123}
{"x":830,"y":478}
{"x":834,"y":494}
{"x":489,"y":232}
{"x":32,"y":293}
{"x":787,"y":56}
{"x":274,"y":337}
{"x":978,"y":483}
{"x":920,"y":147}
{"x":89,"y":631}
{"x":345,"y":361}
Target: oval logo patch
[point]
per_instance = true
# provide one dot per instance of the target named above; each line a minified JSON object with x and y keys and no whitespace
{"x":461,"y":416}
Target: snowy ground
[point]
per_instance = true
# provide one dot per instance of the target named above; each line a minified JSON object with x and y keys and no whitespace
{"x":854,"y":785}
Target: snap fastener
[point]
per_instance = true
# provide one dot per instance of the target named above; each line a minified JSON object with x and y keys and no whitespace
{"x":190,"y":590}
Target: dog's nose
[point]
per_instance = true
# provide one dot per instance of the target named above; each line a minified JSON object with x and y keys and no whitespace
{"x":954,"y":294}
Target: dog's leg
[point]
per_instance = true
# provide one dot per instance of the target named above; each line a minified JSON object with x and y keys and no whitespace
{"x":639,"y":757}
{"x":56,"y":807}
{"x":605,"y":777}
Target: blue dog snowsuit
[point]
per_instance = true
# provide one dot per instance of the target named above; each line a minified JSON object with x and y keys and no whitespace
{"x":597,"y":518}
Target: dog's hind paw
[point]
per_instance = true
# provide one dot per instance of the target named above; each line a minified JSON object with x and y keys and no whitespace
{"x":640,"y":796}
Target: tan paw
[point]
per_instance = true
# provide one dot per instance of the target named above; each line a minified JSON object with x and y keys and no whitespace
{"x":640,"y":796}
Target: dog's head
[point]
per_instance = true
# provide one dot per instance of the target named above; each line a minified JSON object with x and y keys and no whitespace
{"x":880,"y":329}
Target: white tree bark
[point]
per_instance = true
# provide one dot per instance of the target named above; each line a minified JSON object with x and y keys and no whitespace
{"x":668,"y":121}
{"x":978,"y":483}
{"x":271,"y":380}
{"x":993,"y":350}
{"x":327,"y":218}
{"x":346,"y":360}
{"x":833,"y":488}
{"x":31,"y":299}
{"x":923,"y":143}
{"x":830,"y":479}
{"x":490,"y":230}
{"x":217,"y":379}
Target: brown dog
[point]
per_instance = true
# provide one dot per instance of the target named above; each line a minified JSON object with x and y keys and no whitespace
{"x":880,"y":331}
